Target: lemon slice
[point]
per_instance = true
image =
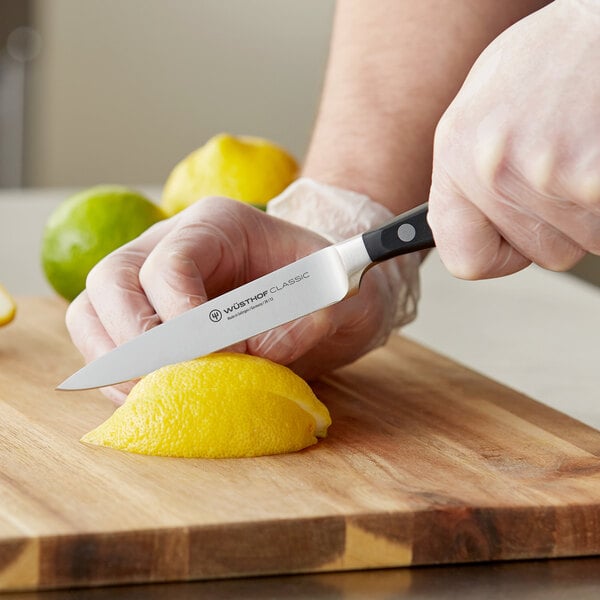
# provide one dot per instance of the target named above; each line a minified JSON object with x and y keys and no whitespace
{"x":220,"y":406}
{"x":8,"y":307}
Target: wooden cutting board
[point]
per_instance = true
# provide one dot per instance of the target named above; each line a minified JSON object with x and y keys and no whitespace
{"x":426,"y":462}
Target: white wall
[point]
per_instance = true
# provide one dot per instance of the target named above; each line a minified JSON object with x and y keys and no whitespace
{"x":123,"y":89}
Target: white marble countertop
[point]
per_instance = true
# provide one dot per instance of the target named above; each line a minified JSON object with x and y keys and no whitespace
{"x":536,"y":331}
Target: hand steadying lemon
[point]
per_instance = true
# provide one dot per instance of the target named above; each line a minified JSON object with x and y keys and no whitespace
{"x":222,"y":405}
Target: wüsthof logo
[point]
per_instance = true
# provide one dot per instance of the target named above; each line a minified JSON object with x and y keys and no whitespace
{"x":245,"y":305}
{"x":215,"y":315}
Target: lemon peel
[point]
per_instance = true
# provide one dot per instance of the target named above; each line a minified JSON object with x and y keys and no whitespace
{"x":246,"y":168}
{"x":223,"y":405}
{"x":8,"y":307}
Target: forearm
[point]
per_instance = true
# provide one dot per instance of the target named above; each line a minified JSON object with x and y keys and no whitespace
{"x":394,"y":67}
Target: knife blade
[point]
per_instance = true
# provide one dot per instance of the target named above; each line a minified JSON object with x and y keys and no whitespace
{"x":309,"y":284}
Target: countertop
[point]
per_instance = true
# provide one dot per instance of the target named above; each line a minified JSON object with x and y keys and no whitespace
{"x":536,"y":331}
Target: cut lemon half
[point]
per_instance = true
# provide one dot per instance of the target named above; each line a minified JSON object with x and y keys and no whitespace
{"x":223,"y":405}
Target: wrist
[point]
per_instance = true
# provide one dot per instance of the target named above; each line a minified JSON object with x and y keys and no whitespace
{"x":333,"y":212}
{"x":338,"y":214}
{"x":364,"y":165}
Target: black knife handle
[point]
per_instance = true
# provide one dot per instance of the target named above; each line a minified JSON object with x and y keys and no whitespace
{"x":406,"y":233}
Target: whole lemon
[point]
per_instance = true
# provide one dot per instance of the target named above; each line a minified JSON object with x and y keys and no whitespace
{"x":223,"y":405}
{"x":250,"y":169}
{"x":88,"y":226}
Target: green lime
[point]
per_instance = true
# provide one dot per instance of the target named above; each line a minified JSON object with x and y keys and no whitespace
{"x":88,"y":226}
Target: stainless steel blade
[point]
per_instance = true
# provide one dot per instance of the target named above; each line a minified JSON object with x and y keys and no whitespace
{"x":307,"y":285}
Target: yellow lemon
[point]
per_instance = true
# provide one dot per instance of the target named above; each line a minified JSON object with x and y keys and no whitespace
{"x":8,"y":307}
{"x":88,"y":226}
{"x":245,"y":168}
{"x":223,"y":405}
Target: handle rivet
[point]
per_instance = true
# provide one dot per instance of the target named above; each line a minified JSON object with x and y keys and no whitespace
{"x":407,"y":232}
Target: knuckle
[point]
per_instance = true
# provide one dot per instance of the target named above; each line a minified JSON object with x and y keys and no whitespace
{"x":569,"y":173}
{"x":96,"y":276}
{"x":493,"y":165}
{"x":150,"y":263}
{"x":75,"y":312}
{"x":210,"y":206}
{"x":145,"y":274}
{"x":587,"y":191}
{"x":446,"y":131}
{"x":479,"y":154}
{"x":159,"y":261}
{"x":443,"y":130}
{"x":493,"y":151}
{"x":117,"y":269}
{"x":171,"y":269}
{"x":540,"y":168}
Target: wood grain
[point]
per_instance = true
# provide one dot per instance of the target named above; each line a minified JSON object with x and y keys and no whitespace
{"x":426,"y":462}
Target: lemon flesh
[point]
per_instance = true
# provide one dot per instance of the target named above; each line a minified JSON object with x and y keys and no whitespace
{"x":8,"y":307}
{"x":246,"y":168}
{"x":88,"y":226}
{"x":224,"y":405}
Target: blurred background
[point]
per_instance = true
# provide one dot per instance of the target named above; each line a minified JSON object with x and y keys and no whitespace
{"x":118,"y":91}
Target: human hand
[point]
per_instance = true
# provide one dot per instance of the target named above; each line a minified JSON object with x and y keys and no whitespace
{"x":516,"y":171}
{"x":211,"y":247}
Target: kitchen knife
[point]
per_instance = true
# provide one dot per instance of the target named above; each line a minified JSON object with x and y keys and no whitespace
{"x":302,"y":287}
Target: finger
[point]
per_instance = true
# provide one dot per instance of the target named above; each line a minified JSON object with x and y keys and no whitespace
{"x":213,"y":249}
{"x":567,"y":199}
{"x":172,"y":279}
{"x":499,"y":219}
{"x":86,"y":329}
{"x":532,"y":236}
{"x":117,"y":393}
{"x":115,"y":292}
{"x":92,"y":340}
{"x":360,"y":324}
{"x":468,"y":243}
{"x":527,"y":211}
{"x":335,"y":335}
{"x":551,"y":230}
{"x":578,"y":177}
{"x":288,"y":343}
{"x":174,"y":274}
